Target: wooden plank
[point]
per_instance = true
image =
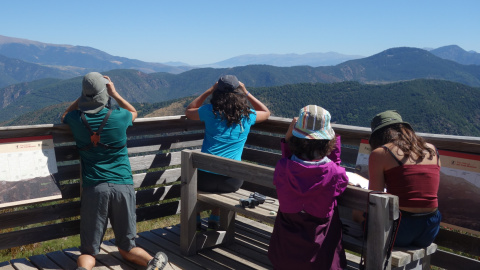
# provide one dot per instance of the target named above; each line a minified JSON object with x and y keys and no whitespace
{"x":172,"y":142}
{"x":449,"y":260}
{"x":170,"y":240}
{"x":39,"y":214}
{"x":112,"y":262}
{"x":261,"y":157}
{"x":162,"y":125}
{"x":248,"y":172}
{"x":264,"y":141}
{"x":156,"y":178}
{"x":74,"y":253}
{"x":157,"y":211}
{"x":6,"y":266}
{"x":188,"y":204}
{"x":22,"y":264}
{"x":354,"y":197}
{"x":154,"y":244}
{"x":43,"y":262}
{"x":39,"y":234}
{"x":379,"y":222}
{"x":241,"y":252}
{"x":157,"y":194}
{"x":227,"y":203}
{"x":140,"y":163}
{"x":61,"y":259}
{"x":110,"y":248}
{"x":458,"y":241}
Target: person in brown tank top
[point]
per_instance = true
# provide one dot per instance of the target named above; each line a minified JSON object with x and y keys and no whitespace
{"x":409,"y":167}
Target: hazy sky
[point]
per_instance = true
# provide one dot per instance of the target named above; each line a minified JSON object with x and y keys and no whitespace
{"x":203,"y":32}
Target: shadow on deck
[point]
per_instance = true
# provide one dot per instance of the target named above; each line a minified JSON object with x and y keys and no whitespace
{"x":248,"y":252}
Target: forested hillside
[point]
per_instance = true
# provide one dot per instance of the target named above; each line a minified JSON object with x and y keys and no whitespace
{"x":431,"y":106}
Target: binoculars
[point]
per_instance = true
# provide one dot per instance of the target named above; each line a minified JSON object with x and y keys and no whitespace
{"x":254,"y":200}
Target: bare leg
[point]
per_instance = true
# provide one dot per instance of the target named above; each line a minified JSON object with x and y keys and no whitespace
{"x":86,"y":261}
{"x":136,"y":255}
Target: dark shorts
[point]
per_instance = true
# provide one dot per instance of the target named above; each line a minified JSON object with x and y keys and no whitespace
{"x":418,"y":229}
{"x":210,"y":182}
{"x":101,"y":202}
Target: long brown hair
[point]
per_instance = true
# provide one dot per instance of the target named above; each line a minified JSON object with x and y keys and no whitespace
{"x":230,"y":106}
{"x":404,"y":138}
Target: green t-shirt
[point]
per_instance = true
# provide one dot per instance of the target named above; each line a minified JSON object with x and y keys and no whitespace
{"x":99,"y":164}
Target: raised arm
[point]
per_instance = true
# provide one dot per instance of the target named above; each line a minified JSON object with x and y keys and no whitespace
{"x":72,"y":107}
{"x":262,"y":111}
{"x":119,"y":99}
{"x":191,"y":112}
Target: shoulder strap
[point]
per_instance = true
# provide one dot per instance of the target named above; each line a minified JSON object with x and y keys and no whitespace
{"x":438,"y":155}
{"x":95,"y":136}
{"x":395,"y":157}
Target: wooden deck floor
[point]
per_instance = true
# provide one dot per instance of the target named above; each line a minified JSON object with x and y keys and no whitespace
{"x":248,"y":252}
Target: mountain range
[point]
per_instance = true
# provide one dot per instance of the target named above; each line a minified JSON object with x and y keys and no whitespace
{"x":422,"y":102}
{"x":49,"y":77}
{"x":43,"y":60}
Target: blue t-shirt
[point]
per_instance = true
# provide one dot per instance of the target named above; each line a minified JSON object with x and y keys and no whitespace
{"x":100,"y":165}
{"x":222,"y":140}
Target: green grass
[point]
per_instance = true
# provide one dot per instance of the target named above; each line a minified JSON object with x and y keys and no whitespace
{"x":74,"y":241}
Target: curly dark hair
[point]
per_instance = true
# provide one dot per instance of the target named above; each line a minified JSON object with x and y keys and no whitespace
{"x":311,"y":149}
{"x":230,"y":106}
{"x":403,"y":137}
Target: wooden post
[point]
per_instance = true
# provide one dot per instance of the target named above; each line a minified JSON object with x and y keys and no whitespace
{"x":227,"y":223}
{"x":383,"y":209}
{"x":188,"y":204}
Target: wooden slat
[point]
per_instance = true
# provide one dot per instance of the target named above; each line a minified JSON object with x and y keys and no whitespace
{"x":264,"y":141}
{"x":158,"y":194}
{"x":139,"y":163}
{"x":458,"y":241}
{"x":39,"y":214}
{"x":22,"y":264}
{"x":448,"y":260}
{"x":166,"y":238}
{"x":154,"y":244}
{"x":165,"y":143}
{"x":225,"y":202}
{"x":156,"y":178}
{"x":6,"y":266}
{"x":39,"y":234}
{"x":43,"y":262}
{"x":248,"y":172}
{"x":188,"y":204}
{"x":74,"y":253}
{"x":158,"y":211}
{"x":64,"y":261}
{"x":261,"y":157}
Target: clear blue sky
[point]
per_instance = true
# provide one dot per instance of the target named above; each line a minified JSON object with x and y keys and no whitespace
{"x":202,"y":32}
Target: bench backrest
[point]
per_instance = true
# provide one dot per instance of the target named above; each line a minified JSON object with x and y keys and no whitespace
{"x":383,"y":208}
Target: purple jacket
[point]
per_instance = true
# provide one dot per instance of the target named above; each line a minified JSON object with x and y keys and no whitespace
{"x":313,"y":189}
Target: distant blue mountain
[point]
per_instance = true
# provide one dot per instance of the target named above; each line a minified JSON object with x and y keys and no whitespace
{"x":457,"y":54}
{"x":285,"y":60}
{"x":78,"y":59}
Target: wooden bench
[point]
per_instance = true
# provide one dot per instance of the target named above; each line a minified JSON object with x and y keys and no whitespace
{"x":383,"y":210}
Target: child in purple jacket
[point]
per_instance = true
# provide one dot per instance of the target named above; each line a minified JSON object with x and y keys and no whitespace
{"x":308,"y":231}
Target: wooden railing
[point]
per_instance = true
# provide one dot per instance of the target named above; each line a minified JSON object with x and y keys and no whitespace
{"x":154,"y":147}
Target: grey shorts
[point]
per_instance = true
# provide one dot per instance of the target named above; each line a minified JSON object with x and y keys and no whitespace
{"x":101,"y":202}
